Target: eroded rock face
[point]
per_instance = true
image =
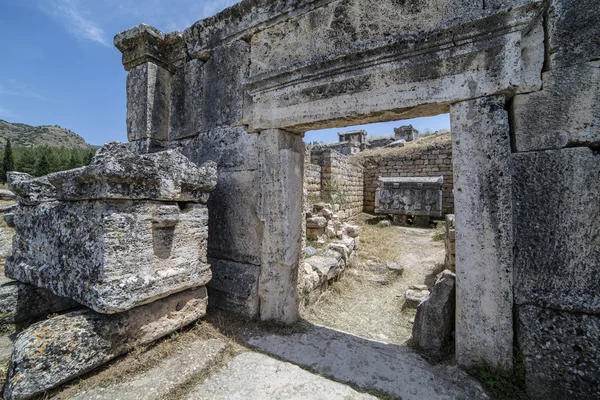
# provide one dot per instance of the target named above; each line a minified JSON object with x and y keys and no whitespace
{"x":124,"y":231}
{"x":59,"y":349}
{"x":117,"y":173}
{"x":111,"y":255}
{"x":24,"y":303}
{"x":434,"y":321}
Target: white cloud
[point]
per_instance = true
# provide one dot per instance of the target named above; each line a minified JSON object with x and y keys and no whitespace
{"x":77,"y":23}
{"x":12,"y":87}
{"x":99,"y":20}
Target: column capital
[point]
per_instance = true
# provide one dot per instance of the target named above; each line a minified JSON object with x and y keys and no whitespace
{"x":145,"y":43}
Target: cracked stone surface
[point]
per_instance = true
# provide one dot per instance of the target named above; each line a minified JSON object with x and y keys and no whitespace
{"x":166,"y":376}
{"x":253,"y":376}
{"x":368,"y":364}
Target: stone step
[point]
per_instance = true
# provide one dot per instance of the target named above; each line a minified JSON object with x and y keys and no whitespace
{"x":253,"y":376}
{"x":157,"y":382}
{"x":367,"y":364}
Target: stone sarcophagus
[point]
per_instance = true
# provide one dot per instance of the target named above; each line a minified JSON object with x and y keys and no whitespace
{"x":410,"y":196}
{"x":124,"y":231}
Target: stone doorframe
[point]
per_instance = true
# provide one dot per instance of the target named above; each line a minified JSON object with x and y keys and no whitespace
{"x":273,"y":88}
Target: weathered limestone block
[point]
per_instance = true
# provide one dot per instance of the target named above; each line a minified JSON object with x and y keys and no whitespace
{"x":234,"y":286}
{"x":22,"y":303}
{"x":30,"y":190}
{"x":412,"y":196}
{"x":450,"y":242}
{"x":225,"y":74}
{"x":148,"y":87}
{"x":111,"y":255}
{"x":484,"y":233}
{"x":565,"y":113}
{"x":146,"y":146}
{"x":117,"y":173}
{"x":557,"y":221}
{"x":62,"y":348}
{"x":434,"y":321}
{"x":561,"y":353}
{"x":186,"y":107}
{"x":281,"y":169}
{"x":573,"y":32}
{"x":7,"y":195}
{"x":236,"y":232}
{"x":232,"y":148}
{"x":239,"y":21}
{"x":415,"y":296}
{"x":423,"y":74}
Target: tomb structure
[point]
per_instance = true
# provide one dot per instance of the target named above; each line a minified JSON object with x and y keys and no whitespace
{"x":521,"y":81}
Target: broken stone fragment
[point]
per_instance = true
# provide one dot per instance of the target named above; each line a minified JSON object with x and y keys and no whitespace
{"x":434,"y":322}
{"x":57,"y":350}
{"x":22,"y":303}
{"x":30,"y":190}
{"x":7,"y":195}
{"x":352,"y":230}
{"x":111,"y":256}
{"x":316,"y":222}
{"x":117,"y":173}
{"x":326,"y":267}
{"x":415,"y":297}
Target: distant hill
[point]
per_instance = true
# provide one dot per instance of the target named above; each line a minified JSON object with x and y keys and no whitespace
{"x":22,"y":135}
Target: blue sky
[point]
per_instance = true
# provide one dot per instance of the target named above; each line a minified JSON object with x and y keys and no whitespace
{"x":59,"y":66}
{"x":433,"y":123}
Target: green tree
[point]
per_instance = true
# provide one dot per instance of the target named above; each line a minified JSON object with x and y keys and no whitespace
{"x":74,"y":161}
{"x":43,"y":166}
{"x":8,"y":163}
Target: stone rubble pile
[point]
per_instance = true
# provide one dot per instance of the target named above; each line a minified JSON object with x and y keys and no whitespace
{"x":338,"y":243}
{"x":126,"y":237}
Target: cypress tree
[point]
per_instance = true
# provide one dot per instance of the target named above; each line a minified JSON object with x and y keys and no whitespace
{"x":43,"y":166}
{"x":8,"y":163}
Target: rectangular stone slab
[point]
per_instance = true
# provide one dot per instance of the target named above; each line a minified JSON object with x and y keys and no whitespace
{"x":111,"y":255}
{"x":60,"y":349}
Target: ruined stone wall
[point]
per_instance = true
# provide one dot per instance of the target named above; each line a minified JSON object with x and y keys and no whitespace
{"x":520,"y":80}
{"x":433,"y":160}
{"x":312,"y":182}
{"x":341,"y":182}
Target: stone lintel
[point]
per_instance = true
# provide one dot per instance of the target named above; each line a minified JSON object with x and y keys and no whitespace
{"x":144,"y":43}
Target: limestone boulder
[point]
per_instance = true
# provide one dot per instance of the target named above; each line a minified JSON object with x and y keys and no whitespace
{"x":326,"y":267}
{"x":414,"y":297}
{"x":111,"y":256}
{"x":434,"y":321}
{"x":7,"y":195}
{"x":23,"y":303}
{"x":117,"y":173}
{"x":30,"y":190}
{"x":59,"y":349}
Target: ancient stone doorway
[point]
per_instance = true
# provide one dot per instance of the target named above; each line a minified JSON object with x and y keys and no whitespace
{"x":365,"y":269}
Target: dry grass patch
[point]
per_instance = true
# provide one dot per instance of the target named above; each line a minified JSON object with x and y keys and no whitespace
{"x":368,"y":299}
{"x":144,"y":358}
